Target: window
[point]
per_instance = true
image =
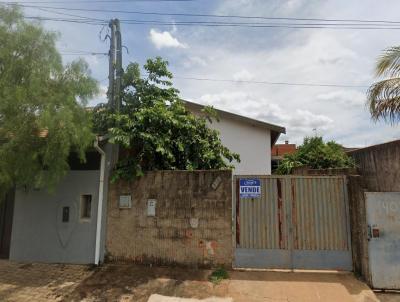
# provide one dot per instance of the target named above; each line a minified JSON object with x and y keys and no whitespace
{"x":86,"y":206}
{"x":65,"y":214}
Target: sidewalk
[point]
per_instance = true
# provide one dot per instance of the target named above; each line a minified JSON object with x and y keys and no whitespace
{"x":122,"y":282}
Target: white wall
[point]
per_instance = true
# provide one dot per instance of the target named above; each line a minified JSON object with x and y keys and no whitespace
{"x":38,"y":233}
{"x":253,"y":143}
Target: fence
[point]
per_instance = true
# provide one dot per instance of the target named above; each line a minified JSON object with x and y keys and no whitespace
{"x":295,"y":222}
{"x":172,"y":217}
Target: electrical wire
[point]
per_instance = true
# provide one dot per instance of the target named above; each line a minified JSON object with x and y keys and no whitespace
{"x":213,"y":15}
{"x":204,"y":24}
{"x":354,"y":26}
{"x":272,"y":83}
{"x":266,"y":25}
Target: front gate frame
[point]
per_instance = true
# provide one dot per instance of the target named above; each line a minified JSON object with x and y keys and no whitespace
{"x":289,"y":258}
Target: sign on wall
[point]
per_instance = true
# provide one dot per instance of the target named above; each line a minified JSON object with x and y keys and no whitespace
{"x":151,"y":207}
{"x":250,"y":188}
{"x":125,"y":201}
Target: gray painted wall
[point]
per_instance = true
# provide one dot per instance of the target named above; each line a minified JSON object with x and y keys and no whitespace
{"x":38,"y":231}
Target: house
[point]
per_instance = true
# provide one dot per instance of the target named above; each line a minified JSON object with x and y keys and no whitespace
{"x":63,"y":226}
{"x":279,"y":151}
{"x":69,"y":224}
{"x":251,"y":138}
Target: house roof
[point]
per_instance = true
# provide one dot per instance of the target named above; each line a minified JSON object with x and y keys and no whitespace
{"x":282,"y":149}
{"x":275,"y":129}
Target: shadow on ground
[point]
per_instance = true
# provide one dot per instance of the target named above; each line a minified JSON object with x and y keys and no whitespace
{"x":121,"y":282}
{"x":128,"y":282}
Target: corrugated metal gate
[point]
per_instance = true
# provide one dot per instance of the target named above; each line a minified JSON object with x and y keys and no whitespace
{"x":299,"y":222}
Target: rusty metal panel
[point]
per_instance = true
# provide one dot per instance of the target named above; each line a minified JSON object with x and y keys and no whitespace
{"x":318,"y":208}
{"x":298,"y":222}
{"x":259,"y":218}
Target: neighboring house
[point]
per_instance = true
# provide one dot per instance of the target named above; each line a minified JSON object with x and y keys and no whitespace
{"x":252,"y":139}
{"x":279,"y":151}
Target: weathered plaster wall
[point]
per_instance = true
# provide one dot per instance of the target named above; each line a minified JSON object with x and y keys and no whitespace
{"x":192,"y":223}
{"x":38,"y":233}
{"x":380,"y":166}
{"x":358,"y":223}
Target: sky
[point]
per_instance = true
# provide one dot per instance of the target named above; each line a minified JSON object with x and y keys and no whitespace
{"x":290,"y":55}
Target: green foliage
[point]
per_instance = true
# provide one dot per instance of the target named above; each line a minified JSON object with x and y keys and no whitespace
{"x":383,"y":97}
{"x":42,"y":113}
{"x":316,"y":154}
{"x":218,"y":275}
{"x":155,"y":129}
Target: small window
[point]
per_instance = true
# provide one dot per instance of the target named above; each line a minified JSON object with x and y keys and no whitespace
{"x":65,"y":214}
{"x":86,"y":206}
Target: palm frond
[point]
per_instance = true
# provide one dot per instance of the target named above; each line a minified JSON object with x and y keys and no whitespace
{"x":383,"y":100}
{"x":389,"y":63}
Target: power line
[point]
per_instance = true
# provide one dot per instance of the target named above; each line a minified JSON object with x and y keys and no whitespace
{"x":80,"y":21}
{"x":257,"y":25}
{"x":69,"y":15}
{"x":215,"y":15}
{"x":160,"y":23}
{"x":211,"y":24}
{"x":238,"y":25}
{"x":272,"y":83}
{"x":329,"y":25}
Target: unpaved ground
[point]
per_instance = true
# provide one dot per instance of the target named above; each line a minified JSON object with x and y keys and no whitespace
{"x":388,"y":297}
{"x":111,"y":282}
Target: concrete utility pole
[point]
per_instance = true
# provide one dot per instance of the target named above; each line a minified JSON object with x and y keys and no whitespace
{"x":111,"y":65}
{"x":119,"y":70}
{"x":115,"y":77}
{"x":115,"y":65}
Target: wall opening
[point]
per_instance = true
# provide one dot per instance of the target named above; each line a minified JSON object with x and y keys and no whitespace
{"x":86,"y":206}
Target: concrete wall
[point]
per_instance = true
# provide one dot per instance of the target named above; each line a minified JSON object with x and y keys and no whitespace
{"x":359,"y":228}
{"x":380,"y":166}
{"x":38,"y":232}
{"x":253,"y":143}
{"x":330,"y":171}
{"x":192,"y":223}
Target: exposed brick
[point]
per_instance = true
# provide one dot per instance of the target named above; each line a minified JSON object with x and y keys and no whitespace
{"x":169,"y":237}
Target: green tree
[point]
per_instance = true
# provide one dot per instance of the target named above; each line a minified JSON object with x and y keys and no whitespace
{"x":155,"y":130}
{"x":316,"y":154}
{"x":42,"y":105}
{"x":384,"y":96}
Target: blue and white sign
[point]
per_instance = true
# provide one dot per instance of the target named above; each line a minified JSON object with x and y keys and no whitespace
{"x":250,"y":188}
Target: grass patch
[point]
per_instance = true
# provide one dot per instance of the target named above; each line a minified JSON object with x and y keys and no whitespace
{"x":218,"y":275}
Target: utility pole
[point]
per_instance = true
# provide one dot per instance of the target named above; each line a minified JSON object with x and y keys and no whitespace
{"x":119,"y":71}
{"x":115,"y":66}
{"x":111,"y":65}
{"x":115,"y":77}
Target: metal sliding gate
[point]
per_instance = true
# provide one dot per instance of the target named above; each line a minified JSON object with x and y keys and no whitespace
{"x":295,"y":222}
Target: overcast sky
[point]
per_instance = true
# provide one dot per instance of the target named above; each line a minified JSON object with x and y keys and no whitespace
{"x":256,"y":54}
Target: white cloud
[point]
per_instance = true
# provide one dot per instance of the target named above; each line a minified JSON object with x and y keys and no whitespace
{"x":298,"y":122}
{"x":295,"y":56}
{"x":194,"y":61}
{"x":346,"y":97}
{"x":243,"y":75}
{"x":275,"y":55}
{"x":165,"y":40}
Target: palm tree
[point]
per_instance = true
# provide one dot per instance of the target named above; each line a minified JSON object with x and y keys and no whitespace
{"x":383,"y":97}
